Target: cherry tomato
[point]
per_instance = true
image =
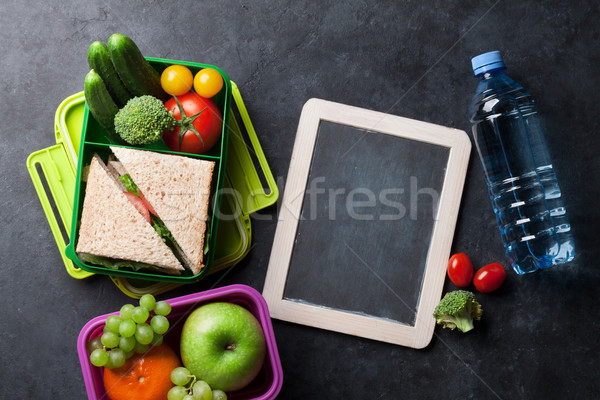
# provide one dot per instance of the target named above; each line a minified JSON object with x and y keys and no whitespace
{"x":460,"y":270}
{"x":489,"y":278}
{"x":139,"y":205}
{"x":208,"y":124}
{"x":208,"y":82}
{"x":176,"y":80}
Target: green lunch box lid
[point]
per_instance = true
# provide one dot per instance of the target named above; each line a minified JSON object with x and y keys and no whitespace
{"x":56,"y":166}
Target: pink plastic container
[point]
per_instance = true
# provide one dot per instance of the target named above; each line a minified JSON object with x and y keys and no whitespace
{"x":265,"y":386}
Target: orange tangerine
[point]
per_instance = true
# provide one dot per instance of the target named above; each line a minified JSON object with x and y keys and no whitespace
{"x":143,"y":377}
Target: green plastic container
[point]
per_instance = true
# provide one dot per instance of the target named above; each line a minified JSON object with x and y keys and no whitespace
{"x":56,"y":166}
{"x":95,"y":141}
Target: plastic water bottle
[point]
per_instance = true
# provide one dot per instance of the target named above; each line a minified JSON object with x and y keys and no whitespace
{"x":521,"y":181}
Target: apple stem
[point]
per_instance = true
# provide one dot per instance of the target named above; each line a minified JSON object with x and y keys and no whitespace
{"x":230,"y":347}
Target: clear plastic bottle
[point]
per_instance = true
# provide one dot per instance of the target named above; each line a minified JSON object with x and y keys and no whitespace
{"x":521,"y":181}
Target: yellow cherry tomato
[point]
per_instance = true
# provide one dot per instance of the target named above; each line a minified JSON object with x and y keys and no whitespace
{"x":208,"y":82}
{"x":176,"y":80}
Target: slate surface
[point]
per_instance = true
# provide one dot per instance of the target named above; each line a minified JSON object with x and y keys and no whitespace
{"x":538,"y":338}
{"x":367,"y":217}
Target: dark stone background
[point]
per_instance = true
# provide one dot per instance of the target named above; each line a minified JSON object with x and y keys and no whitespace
{"x":539,"y":336}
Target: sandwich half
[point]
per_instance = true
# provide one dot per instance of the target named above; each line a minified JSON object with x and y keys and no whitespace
{"x":113,"y":233}
{"x":178,"y":188}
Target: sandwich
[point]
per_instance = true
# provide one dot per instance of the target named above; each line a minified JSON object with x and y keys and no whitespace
{"x":113,"y":233}
{"x":146,"y":210}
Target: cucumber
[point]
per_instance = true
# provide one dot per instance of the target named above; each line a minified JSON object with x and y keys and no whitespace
{"x":99,"y":60}
{"x":135,"y":72}
{"x":101,"y":105}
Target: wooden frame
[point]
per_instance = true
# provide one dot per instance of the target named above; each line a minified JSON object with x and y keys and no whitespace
{"x":419,"y":335}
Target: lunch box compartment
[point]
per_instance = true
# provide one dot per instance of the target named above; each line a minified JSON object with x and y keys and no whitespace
{"x":93,"y":138}
{"x":265,"y":386}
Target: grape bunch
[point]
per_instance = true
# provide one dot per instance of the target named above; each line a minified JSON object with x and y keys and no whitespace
{"x":129,"y":332}
{"x":187,"y":387}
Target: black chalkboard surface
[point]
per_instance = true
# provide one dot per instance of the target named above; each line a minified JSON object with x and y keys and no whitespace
{"x":366,"y":223}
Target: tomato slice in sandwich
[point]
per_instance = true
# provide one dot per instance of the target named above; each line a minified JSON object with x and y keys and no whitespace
{"x":139,"y":205}
{"x":147,"y":204}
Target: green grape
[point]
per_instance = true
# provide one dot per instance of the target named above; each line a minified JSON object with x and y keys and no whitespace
{"x":117,"y":357}
{"x":140,"y":348}
{"x":159,"y":324}
{"x":127,"y":328}
{"x":94,"y":344}
{"x":140,"y":315}
{"x":157,"y":340}
{"x":180,"y":376}
{"x":99,"y":357}
{"x":126,"y":343}
{"x":110,"y":339}
{"x":109,"y":364}
{"x":177,"y":393}
{"x":126,"y":311}
{"x":148,"y":301}
{"x":202,"y":391}
{"x":219,"y":395}
{"x":189,"y":397}
{"x":129,"y":354}
{"x":162,"y":308}
{"x":144,"y":334}
{"x":112,"y":323}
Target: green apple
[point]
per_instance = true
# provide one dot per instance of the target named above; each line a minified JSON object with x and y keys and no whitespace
{"x":224,"y":345}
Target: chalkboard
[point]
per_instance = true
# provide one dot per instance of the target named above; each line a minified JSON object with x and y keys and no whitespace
{"x":366,"y":223}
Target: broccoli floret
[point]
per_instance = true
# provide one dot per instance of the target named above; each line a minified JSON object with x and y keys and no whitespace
{"x":143,"y":120}
{"x":458,"y":309}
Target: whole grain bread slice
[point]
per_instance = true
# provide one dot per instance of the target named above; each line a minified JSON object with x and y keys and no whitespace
{"x":112,"y":227}
{"x":114,"y":169}
{"x":178,"y":188}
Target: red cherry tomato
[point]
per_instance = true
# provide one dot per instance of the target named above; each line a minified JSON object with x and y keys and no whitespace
{"x":139,"y":205}
{"x":460,"y":270}
{"x":209,"y":124}
{"x":489,"y":278}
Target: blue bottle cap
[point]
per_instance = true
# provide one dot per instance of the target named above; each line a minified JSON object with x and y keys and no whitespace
{"x":487,"y":62}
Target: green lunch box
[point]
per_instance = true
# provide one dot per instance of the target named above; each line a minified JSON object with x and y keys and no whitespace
{"x":94,"y":140}
{"x":53,"y":171}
